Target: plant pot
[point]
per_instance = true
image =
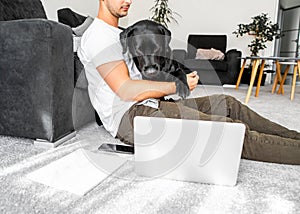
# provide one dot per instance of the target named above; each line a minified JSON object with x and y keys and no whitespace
{"x":247,"y":76}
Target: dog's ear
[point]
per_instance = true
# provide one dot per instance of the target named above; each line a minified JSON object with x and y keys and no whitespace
{"x":124,"y":36}
{"x":166,"y":33}
{"x":167,"y":38}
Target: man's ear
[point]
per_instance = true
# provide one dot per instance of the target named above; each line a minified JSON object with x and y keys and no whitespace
{"x":124,"y":37}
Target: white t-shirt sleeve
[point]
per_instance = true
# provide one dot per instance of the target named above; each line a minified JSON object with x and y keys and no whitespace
{"x":101,"y":45}
{"x":112,"y":52}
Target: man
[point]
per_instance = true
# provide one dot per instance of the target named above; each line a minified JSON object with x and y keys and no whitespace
{"x":118,"y":94}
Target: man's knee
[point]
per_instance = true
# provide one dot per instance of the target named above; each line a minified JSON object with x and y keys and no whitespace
{"x":231,"y":99}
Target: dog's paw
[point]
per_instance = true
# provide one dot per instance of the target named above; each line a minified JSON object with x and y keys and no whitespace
{"x":182,"y":89}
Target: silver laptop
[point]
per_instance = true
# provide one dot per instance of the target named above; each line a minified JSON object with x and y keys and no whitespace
{"x":188,"y":150}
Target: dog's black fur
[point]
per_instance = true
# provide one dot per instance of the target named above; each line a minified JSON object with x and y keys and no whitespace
{"x":148,"y":44}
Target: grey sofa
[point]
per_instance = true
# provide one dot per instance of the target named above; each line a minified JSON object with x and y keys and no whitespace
{"x":40,"y":95}
{"x":216,"y":72}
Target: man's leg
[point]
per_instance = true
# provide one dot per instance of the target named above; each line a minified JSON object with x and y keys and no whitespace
{"x":264,"y":139}
{"x":165,"y":110}
{"x":271,"y":148}
{"x":125,"y":132}
{"x":228,"y":106}
{"x":257,"y":146}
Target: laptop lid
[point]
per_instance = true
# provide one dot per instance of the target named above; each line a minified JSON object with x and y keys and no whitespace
{"x":188,"y":150}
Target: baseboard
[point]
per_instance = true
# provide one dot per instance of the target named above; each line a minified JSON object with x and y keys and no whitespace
{"x":228,"y":86}
{"x":48,"y":145}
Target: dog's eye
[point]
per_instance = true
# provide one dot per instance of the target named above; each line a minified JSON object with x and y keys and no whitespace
{"x":139,"y":52}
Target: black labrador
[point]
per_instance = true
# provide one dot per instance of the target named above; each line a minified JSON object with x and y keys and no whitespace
{"x":148,"y":44}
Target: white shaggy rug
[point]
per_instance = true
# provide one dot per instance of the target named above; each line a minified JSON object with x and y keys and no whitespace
{"x":262,"y":187}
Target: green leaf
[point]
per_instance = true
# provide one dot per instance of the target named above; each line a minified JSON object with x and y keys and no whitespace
{"x":264,"y":30}
{"x":162,"y":14}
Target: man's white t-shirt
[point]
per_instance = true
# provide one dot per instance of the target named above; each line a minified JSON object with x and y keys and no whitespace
{"x":100,"y":44}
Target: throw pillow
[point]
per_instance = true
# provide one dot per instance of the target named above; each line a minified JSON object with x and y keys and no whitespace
{"x":21,"y":9}
{"x":69,"y":17}
{"x":79,"y":30}
{"x":212,"y":54}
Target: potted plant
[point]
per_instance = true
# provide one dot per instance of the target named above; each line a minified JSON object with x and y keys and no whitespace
{"x":162,"y":14}
{"x":263,"y":31}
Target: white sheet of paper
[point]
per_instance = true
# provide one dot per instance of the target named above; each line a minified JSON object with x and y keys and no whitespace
{"x":78,"y":172}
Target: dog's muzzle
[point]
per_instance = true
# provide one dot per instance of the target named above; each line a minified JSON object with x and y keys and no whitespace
{"x":151,"y":71}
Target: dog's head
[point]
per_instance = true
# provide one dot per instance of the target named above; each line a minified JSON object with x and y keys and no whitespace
{"x":148,"y":44}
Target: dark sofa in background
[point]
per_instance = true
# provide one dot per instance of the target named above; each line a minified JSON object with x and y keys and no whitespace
{"x":43,"y":91}
{"x":216,"y":72}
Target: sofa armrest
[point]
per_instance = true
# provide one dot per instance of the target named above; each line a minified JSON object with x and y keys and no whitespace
{"x":36,"y":79}
{"x":179,"y":55}
{"x":232,"y":54}
{"x":234,"y":64}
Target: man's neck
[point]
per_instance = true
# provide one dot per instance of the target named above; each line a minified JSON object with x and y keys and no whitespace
{"x":108,"y":18}
{"x":109,"y":21}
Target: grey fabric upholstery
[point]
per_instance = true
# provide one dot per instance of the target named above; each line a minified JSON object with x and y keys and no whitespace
{"x":83,"y":112}
{"x":37,"y":78}
{"x":21,"y":9}
{"x":69,"y":17}
{"x":36,"y":66}
{"x":216,"y":72}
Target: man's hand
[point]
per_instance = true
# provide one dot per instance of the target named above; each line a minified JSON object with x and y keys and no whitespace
{"x":192,"y":80}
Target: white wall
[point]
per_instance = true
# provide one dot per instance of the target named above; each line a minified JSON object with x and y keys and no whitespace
{"x":210,"y":17}
{"x":197,"y":16}
{"x":84,"y":7}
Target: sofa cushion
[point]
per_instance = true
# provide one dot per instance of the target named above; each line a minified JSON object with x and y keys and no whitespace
{"x":79,"y":24}
{"x":80,"y":80}
{"x":69,"y":17}
{"x":79,"y":30}
{"x":197,"y":64}
{"x":218,"y":42}
{"x":21,"y":9}
{"x":212,"y":54}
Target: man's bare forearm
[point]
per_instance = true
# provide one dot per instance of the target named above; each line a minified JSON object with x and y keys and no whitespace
{"x":116,"y":75}
{"x":138,"y":90}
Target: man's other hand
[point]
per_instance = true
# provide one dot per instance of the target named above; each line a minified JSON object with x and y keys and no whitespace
{"x":192,"y":80}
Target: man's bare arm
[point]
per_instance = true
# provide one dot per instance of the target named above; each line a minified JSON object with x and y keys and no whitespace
{"x":116,"y":75}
